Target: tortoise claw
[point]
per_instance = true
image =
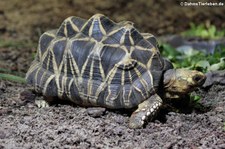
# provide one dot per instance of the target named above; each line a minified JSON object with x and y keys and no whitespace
{"x":146,"y":110}
{"x":136,"y":120}
{"x":41,"y":103}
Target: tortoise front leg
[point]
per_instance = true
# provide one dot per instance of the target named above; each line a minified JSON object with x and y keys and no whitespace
{"x":43,"y":101}
{"x":146,"y":110}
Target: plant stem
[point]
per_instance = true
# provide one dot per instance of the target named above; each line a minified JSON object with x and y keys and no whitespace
{"x":12,"y":78}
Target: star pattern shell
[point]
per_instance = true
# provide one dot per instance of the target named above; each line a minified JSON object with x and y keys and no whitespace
{"x":97,"y":62}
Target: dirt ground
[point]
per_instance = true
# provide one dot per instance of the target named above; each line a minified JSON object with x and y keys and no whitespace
{"x":23,"y":125}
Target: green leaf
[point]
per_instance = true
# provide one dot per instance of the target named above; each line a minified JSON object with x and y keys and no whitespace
{"x":195,"y":98}
{"x":13,"y":78}
{"x":202,"y":64}
{"x":187,"y":50}
{"x":217,"y":66}
{"x":212,"y":31}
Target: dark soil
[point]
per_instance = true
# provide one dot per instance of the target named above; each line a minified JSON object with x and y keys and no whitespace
{"x":23,"y":125}
{"x":27,"y":20}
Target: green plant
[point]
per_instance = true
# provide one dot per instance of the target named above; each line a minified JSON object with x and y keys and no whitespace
{"x":195,"y":98}
{"x":204,"y":31}
{"x":12,"y":78}
{"x":193,"y":59}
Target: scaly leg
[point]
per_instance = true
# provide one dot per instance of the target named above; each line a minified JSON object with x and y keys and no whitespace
{"x":146,"y":110}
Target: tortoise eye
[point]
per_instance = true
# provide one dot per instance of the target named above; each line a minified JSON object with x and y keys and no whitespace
{"x":127,"y":65}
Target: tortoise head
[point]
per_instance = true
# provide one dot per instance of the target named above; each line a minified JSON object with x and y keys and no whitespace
{"x":178,"y":82}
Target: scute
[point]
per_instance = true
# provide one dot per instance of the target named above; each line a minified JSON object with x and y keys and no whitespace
{"x":47,"y":61}
{"x":116,"y":36}
{"x":51,"y":89}
{"x":157,"y":63}
{"x":80,"y":50}
{"x":70,"y":27}
{"x":78,"y":22}
{"x":73,"y":93}
{"x":128,"y":66}
{"x":110,"y":56}
{"x":98,"y":62}
{"x":58,"y":51}
{"x":44,"y":42}
{"x":96,"y":32}
{"x":150,"y":38}
{"x":87,"y":26}
{"x":127,"y":40}
{"x":136,"y":36}
{"x":142,"y":56}
{"x":107,"y":24}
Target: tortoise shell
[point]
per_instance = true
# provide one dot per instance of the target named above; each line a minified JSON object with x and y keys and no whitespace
{"x":98,"y":62}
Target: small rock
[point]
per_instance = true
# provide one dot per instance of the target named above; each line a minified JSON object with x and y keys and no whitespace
{"x":119,"y":120}
{"x":219,"y":109}
{"x":214,"y":77}
{"x":118,"y":131}
{"x":96,"y":111}
{"x":171,"y":113}
{"x":5,"y":111}
{"x":27,"y":95}
{"x":2,"y":86}
{"x":2,"y":135}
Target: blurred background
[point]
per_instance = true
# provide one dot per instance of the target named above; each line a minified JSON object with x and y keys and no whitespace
{"x":28,"y":19}
{"x":22,"y":22}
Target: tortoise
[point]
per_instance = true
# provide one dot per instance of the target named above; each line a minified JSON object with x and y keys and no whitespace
{"x":100,"y":63}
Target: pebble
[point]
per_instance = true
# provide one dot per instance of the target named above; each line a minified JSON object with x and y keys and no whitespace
{"x":2,"y":135}
{"x":27,"y":95}
{"x":2,"y":86}
{"x":96,"y":111}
